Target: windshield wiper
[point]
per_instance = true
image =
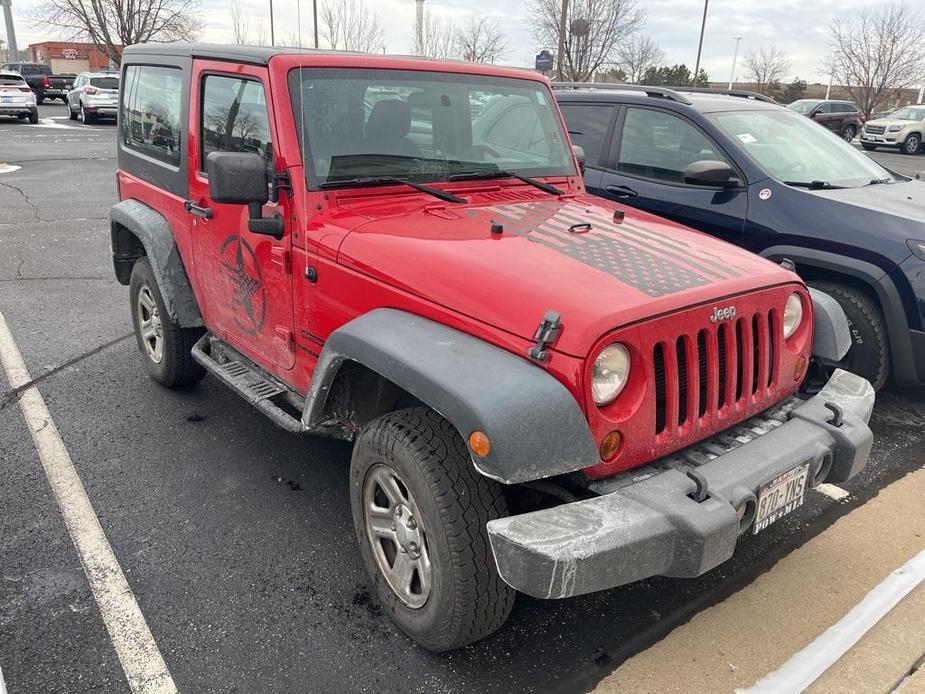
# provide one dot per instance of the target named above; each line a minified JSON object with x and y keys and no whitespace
{"x":812,"y":185}
{"x":385,"y":180}
{"x":474,"y":175}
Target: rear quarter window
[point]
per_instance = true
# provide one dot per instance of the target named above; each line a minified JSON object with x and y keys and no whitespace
{"x":151,"y":106}
{"x":11,"y":81}
{"x":104,"y":82}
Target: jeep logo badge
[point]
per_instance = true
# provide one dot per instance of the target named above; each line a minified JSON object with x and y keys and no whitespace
{"x":719,"y":314}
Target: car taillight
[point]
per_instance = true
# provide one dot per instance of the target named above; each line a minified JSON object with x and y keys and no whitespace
{"x":91,"y":90}
{"x":45,"y":83}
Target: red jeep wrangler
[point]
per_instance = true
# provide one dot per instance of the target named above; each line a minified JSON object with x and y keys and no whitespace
{"x":546,"y":392}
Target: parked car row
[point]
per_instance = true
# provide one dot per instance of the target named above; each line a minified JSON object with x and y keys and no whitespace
{"x":763,"y":177}
{"x":842,"y":117}
{"x":41,"y":80}
{"x":88,"y":96}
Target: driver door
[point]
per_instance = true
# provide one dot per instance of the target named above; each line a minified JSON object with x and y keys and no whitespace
{"x":244,"y":279}
{"x":651,"y":150}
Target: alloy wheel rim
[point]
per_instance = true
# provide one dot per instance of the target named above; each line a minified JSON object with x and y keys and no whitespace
{"x":912,"y":144}
{"x":849,"y":133}
{"x":150,"y":325}
{"x":396,"y":535}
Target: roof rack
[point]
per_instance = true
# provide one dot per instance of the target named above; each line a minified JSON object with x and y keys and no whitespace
{"x":659,"y":92}
{"x":742,"y":93}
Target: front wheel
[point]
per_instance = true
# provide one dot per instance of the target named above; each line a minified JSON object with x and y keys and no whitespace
{"x":869,"y":354}
{"x":911,"y":144}
{"x":420,"y":510}
{"x":164,"y":343}
{"x":848,"y":133}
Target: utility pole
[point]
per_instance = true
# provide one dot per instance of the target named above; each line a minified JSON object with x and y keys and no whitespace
{"x":829,"y":88}
{"x":560,"y":58}
{"x":12,"y":51}
{"x":314,"y":20}
{"x":419,"y":29}
{"x":272,"y":36}
{"x":703,"y":26}
{"x":735,"y":56}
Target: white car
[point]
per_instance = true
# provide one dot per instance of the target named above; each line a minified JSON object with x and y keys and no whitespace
{"x":16,"y":97}
{"x":95,"y":95}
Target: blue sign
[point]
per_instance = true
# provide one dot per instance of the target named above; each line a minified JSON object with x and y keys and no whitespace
{"x":544,"y":61}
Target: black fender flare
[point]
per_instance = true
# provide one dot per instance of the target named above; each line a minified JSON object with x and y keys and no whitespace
{"x":535,"y":425}
{"x":879,"y":282}
{"x":132,"y":222}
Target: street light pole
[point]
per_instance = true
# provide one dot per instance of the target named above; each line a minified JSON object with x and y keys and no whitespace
{"x":560,"y":58}
{"x":12,"y":51}
{"x":314,"y":21}
{"x":732,"y":75}
{"x":419,"y":30}
{"x":703,"y":26}
{"x":272,"y":37}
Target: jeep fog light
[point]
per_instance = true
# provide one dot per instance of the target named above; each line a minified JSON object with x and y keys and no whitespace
{"x":793,"y":314}
{"x":611,"y":370}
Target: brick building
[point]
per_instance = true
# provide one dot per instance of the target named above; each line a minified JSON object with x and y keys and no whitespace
{"x":68,"y":56}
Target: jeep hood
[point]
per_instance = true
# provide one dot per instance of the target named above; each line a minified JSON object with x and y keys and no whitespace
{"x":567,"y":255}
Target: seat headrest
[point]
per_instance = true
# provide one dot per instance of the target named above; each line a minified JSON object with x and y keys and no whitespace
{"x":389,"y":119}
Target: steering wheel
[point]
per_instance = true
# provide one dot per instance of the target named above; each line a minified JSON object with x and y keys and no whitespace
{"x":478,"y":152}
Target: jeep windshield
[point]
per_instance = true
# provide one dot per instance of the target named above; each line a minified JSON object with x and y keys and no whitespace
{"x":423,"y":126}
{"x":795,"y":150}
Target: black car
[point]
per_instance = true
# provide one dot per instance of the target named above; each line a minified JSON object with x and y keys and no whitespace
{"x":740,"y":167}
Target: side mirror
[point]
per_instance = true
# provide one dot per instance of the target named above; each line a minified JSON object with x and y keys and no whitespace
{"x":815,"y":112}
{"x":717,"y":174}
{"x":241,"y":178}
{"x":579,"y":153}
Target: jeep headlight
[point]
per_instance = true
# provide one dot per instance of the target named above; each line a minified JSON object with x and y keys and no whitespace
{"x":610,"y":373}
{"x":894,"y":128}
{"x":793,"y":314}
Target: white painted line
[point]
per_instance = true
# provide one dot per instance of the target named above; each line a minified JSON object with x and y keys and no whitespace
{"x":141,"y":660}
{"x":7,"y":168}
{"x":2,"y":683}
{"x":805,"y":667}
{"x":833,"y":492}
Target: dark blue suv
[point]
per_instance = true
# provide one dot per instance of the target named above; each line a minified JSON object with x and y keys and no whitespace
{"x":738,"y":166}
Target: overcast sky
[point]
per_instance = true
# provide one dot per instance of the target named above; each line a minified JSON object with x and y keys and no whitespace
{"x":799,"y":27}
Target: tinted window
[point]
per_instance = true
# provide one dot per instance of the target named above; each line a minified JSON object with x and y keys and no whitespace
{"x":849,"y":108}
{"x":151,"y":112}
{"x":510,"y":121}
{"x":35,"y":69}
{"x":803,"y":105}
{"x":234,"y":118}
{"x":587,"y":125}
{"x":659,"y":145}
{"x":827,"y":108}
{"x":104,"y":82}
{"x":11,"y":80}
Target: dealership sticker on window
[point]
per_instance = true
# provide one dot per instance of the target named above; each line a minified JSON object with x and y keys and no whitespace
{"x":747,"y":138}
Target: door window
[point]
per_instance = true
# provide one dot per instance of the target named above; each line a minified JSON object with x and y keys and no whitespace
{"x":151,"y":112}
{"x":234,"y":118}
{"x":587,"y":126}
{"x":827,"y":108}
{"x":660,"y":145}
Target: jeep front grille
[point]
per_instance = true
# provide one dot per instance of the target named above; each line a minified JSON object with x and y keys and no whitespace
{"x":702,"y":375}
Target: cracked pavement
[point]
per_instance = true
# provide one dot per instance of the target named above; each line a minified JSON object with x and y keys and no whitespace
{"x":235,"y":537}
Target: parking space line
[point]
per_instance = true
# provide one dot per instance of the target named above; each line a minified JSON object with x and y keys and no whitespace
{"x":138,"y":653}
{"x":832,"y":491}
{"x":806,"y":666}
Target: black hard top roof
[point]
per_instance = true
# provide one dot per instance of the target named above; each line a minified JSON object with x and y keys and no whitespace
{"x":255,"y":55}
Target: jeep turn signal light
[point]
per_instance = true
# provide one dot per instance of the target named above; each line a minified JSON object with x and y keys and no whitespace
{"x":479,"y":443}
{"x":610,"y":445}
{"x":799,"y":368}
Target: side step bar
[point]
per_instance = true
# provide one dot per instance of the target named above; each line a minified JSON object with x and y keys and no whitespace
{"x":247,"y":380}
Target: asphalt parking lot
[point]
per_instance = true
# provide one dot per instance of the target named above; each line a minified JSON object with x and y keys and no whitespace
{"x":235,"y":537}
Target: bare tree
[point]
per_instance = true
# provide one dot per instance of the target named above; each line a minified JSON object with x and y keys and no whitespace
{"x":766,"y":67}
{"x":111,"y":24}
{"x":636,"y":55}
{"x":876,"y":52}
{"x":591,"y":31}
{"x":481,"y":41}
{"x":245,"y":29}
{"x":349,"y":25}
{"x":439,"y":38}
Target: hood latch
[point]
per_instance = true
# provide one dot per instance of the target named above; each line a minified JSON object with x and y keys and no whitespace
{"x":545,"y":335}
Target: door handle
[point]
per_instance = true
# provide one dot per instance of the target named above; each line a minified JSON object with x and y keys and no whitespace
{"x":621,"y":191}
{"x":193,"y":208}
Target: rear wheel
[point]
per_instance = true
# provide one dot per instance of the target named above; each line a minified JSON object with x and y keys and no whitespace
{"x":911,"y":144}
{"x":420,"y":510}
{"x":39,"y":99}
{"x":85,"y":117}
{"x":33,"y":117}
{"x":165,"y":345}
{"x":869,"y":355}
{"x":848,"y":132}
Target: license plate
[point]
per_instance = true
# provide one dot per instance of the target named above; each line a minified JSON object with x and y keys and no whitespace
{"x":875,"y":138}
{"x":780,"y":496}
{"x":6,"y":99}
